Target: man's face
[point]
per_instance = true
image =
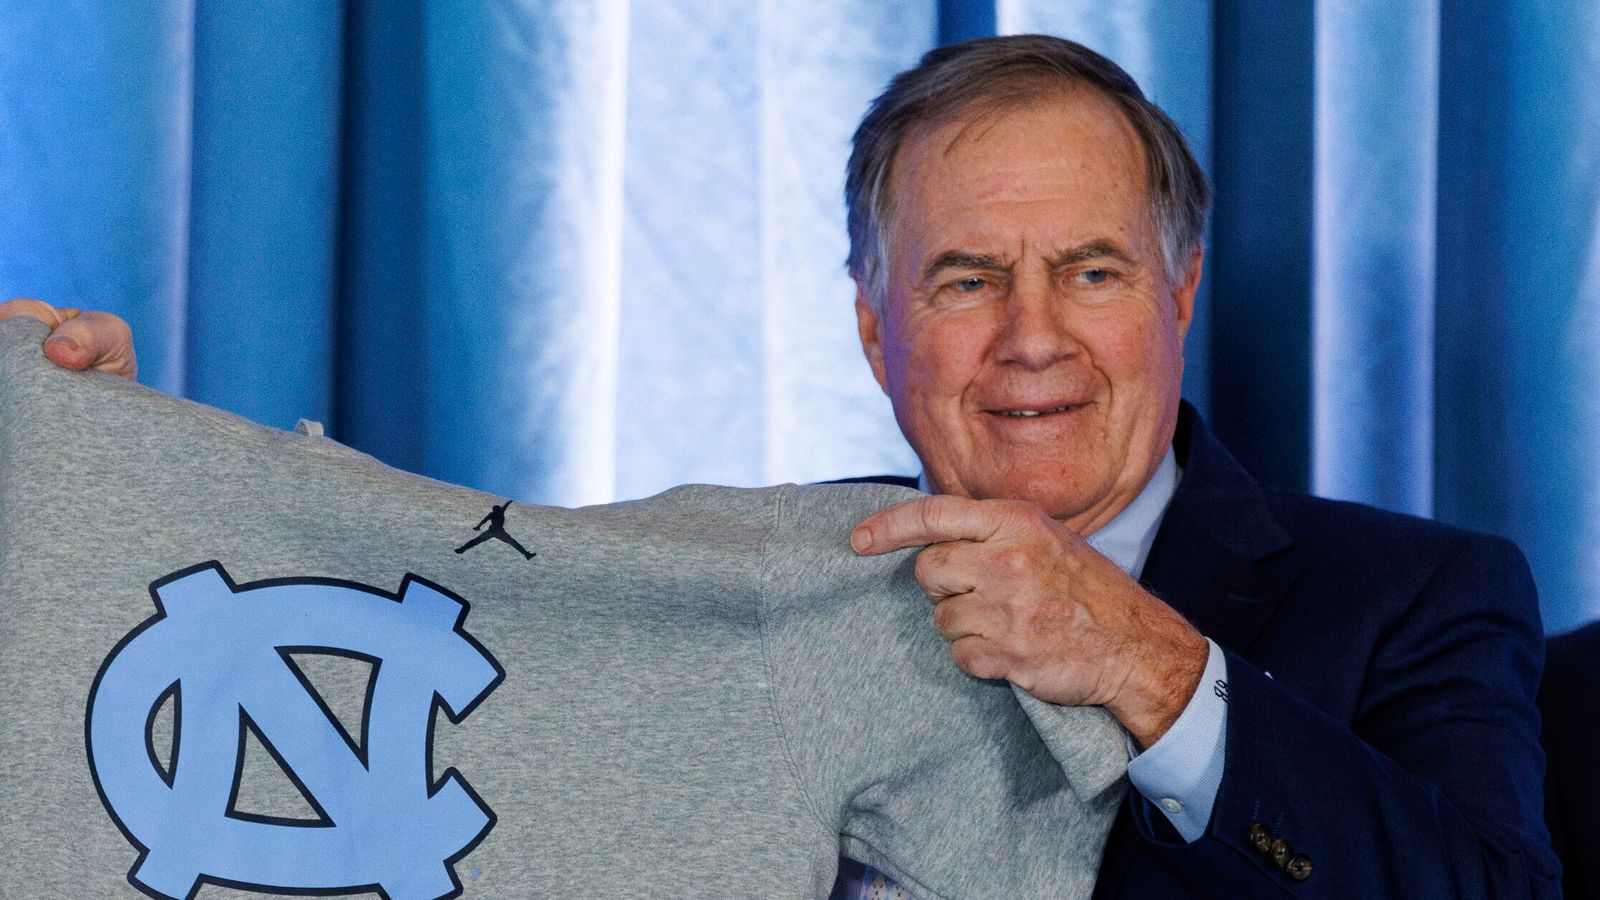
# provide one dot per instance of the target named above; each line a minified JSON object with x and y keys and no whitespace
{"x":1030,"y":342}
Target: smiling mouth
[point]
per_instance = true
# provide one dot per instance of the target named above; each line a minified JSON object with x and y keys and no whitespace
{"x":1035,"y":413}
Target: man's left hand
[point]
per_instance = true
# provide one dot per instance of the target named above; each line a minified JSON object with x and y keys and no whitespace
{"x":1022,"y":597}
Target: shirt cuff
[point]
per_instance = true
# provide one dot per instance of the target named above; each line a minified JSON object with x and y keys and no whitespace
{"x":1180,"y":773}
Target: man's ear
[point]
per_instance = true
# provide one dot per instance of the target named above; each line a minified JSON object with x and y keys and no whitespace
{"x":870,"y":327}
{"x":1183,"y":297}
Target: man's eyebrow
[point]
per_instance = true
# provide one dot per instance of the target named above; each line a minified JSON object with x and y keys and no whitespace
{"x":1085,"y":252}
{"x":962,"y":259}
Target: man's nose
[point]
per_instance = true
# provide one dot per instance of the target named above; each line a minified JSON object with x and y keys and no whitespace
{"x":1035,"y":332}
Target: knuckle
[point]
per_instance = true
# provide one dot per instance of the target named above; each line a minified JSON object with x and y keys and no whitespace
{"x":110,"y":338}
{"x":1021,"y":616}
{"x":104,"y":327}
{"x":962,"y":655}
{"x":1011,"y":560}
{"x":970,"y":658}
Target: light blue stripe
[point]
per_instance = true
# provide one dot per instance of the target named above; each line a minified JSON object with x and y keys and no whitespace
{"x":1373,"y":282}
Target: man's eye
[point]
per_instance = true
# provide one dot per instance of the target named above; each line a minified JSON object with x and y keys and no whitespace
{"x":1093,"y":276}
{"x":971,"y":285}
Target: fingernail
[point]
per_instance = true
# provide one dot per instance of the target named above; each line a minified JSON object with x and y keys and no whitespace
{"x":860,"y":540}
{"x":62,"y":340}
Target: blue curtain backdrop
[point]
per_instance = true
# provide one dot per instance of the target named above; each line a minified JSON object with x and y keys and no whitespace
{"x":575,"y":250}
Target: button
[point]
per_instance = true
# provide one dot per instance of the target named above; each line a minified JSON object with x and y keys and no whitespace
{"x":1171,"y":805}
{"x":1259,"y":838}
{"x":1299,"y":867}
{"x":1279,"y":852}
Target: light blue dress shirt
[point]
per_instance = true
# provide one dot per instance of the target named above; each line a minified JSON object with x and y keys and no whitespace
{"x":1180,"y":773}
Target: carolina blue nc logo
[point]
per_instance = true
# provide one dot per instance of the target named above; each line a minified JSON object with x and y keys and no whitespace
{"x":220,"y":651}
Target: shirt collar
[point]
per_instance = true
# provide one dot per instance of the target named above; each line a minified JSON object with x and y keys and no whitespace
{"x":1127,"y":538}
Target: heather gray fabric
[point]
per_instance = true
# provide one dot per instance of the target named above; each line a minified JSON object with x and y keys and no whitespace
{"x":700,"y":694}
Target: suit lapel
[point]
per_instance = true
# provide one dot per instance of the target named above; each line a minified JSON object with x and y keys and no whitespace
{"x":1216,"y":532}
{"x":1215,"y":560}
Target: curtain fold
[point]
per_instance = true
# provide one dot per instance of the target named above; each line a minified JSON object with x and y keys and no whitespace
{"x":574,"y":250}
{"x":263,"y":223}
{"x":691,"y":398}
{"x":1373,"y":253}
{"x":522,"y":193}
{"x":1518,"y":355}
{"x":737,"y":329}
{"x":820,"y":67}
{"x":1261,"y":236}
{"x":379,"y":402}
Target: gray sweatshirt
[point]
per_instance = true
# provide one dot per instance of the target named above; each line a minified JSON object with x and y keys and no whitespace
{"x":239,"y":659}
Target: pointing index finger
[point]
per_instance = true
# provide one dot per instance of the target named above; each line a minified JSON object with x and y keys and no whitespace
{"x":927,"y":520}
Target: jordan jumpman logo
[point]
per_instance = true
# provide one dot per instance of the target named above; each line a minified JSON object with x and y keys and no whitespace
{"x":496,"y":520}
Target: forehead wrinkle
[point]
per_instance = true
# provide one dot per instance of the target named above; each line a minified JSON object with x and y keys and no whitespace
{"x":930,"y":149}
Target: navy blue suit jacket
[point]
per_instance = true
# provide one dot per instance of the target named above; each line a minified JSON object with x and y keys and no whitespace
{"x":1394,"y":744}
{"x":1569,"y":699}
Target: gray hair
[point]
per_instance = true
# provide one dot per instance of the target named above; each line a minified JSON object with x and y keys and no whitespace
{"x":996,"y":73}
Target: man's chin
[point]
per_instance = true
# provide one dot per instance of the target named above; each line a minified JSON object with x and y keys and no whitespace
{"x":1061,"y":494}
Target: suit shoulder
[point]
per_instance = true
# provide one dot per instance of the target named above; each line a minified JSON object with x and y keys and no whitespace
{"x":1386,"y":542}
{"x":1306,"y":515}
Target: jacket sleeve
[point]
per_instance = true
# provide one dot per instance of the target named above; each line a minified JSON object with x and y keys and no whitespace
{"x":1431,"y":789}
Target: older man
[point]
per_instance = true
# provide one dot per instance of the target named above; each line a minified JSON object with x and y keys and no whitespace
{"x":1025,"y":238}
{"x":1322,"y":698}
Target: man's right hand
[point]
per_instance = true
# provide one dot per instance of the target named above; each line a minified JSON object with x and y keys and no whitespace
{"x":80,"y":339}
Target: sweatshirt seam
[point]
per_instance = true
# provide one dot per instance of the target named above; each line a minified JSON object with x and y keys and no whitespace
{"x":773,"y":704}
